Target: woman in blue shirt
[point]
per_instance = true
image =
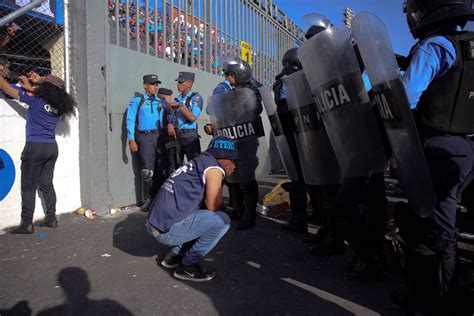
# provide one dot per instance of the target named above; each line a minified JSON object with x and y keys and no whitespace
{"x":48,"y":102}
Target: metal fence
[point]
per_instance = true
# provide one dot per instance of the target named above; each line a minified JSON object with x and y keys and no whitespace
{"x":197,"y":33}
{"x":33,"y":41}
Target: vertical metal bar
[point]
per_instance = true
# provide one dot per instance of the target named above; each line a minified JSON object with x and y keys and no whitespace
{"x":171,"y":30}
{"x":221,"y":37}
{"x":164,"y":29}
{"x":205,"y":51}
{"x":216,"y":35}
{"x":117,"y":21}
{"x":155,"y":24}
{"x":199,"y":34}
{"x":137,"y":24}
{"x":178,"y":32}
{"x":146,"y":24}
{"x":186,"y":31}
{"x":127,"y":21}
{"x":67,"y":45}
{"x":193,"y":37}
{"x":239,"y":26}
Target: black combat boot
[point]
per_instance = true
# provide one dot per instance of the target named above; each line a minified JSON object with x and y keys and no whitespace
{"x":24,"y":228}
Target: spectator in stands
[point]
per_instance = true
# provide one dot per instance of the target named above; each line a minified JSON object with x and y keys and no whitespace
{"x":49,"y":103}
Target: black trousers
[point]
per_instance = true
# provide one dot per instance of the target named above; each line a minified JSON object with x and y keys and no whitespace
{"x":37,"y":169}
{"x":362,"y":202}
{"x":243,"y":198}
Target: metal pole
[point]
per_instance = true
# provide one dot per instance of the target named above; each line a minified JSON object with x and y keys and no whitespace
{"x":147,"y":26}
{"x":137,"y":24}
{"x":127,"y":20}
{"x":186,"y":32}
{"x":155,"y":23}
{"x":171,"y":30}
{"x":178,"y":31}
{"x":67,"y":47}
{"x":17,"y":13}
{"x":117,"y":22}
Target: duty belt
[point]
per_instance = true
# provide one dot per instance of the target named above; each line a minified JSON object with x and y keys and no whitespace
{"x":152,"y":131}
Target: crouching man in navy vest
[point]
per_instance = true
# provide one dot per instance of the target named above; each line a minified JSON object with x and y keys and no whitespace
{"x":175,"y":218}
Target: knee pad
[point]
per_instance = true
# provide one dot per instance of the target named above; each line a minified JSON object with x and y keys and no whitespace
{"x":147,"y":174}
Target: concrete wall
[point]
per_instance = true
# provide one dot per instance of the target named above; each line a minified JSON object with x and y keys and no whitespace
{"x":66,"y":176}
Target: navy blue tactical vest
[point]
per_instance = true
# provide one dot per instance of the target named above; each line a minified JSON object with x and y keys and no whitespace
{"x":181,"y":193}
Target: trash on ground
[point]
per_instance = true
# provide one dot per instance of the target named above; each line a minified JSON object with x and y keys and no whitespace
{"x":274,"y":210}
{"x":106,"y":255}
{"x":277,"y":195}
{"x":86,"y":212}
{"x":42,"y":235}
{"x":114,"y":211}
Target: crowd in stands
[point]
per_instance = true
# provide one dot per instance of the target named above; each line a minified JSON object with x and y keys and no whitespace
{"x":191,"y":35}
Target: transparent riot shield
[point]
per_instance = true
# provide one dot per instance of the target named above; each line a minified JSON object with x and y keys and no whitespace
{"x":278,"y":133}
{"x":333,"y":74}
{"x":237,"y":115}
{"x":318,"y":161}
{"x":376,"y":51}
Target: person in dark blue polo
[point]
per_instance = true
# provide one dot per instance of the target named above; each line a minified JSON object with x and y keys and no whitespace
{"x":145,"y":129}
{"x":438,"y":83}
{"x":182,"y":116}
{"x":176,"y":218}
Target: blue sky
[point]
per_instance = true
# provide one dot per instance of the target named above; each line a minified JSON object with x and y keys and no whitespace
{"x":389,"y":11}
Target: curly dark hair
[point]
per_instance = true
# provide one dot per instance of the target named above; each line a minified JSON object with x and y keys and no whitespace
{"x":58,"y":98}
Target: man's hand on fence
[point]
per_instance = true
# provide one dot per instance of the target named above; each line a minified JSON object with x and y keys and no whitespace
{"x":133,"y":146}
{"x":26,"y":84}
{"x":34,"y":77}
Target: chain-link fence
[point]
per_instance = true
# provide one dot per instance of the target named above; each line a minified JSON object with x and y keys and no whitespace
{"x":34,"y":41}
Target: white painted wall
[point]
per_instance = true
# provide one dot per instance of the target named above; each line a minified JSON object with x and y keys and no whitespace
{"x":66,"y":175}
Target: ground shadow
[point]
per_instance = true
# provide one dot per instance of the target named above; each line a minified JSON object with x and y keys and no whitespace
{"x":22,"y":308}
{"x":76,"y":286}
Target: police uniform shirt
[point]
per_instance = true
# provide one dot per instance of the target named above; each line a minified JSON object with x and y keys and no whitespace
{"x":222,"y":87}
{"x":182,"y":192}
{"x":195,"y":106}
{"x":150,"y":116}
{"x":433,"y":57}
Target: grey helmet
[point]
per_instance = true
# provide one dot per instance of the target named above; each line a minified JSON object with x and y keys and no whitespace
{"x":291,"y":59}
{"x":313,"y":23}
{"x":241,"y":69}
{"x":424,"y":15}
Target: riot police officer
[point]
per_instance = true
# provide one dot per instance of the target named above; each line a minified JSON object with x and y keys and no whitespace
{"x":438,"y":83}
{"x":322,"y":196}
{"x":236,"y":114}
{"x":357,"y":142}
{"x":145,"y":130}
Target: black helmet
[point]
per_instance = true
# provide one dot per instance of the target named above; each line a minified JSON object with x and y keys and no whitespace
{"x":313,"y":23}
{"x":422,"y":15}
{"x":241,"y":69}
{"x":291,"y":59}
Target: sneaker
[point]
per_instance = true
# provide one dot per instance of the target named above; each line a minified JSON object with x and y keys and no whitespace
{"x":193,"y":273}
{"x":171,"y":260}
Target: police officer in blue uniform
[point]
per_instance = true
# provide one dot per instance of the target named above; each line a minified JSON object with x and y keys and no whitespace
{"x":438,"y":83}
{"x":182,"y":116}
{"x":225,"y":86}
{"x":145,"y":133}
{"x":176,"y":218}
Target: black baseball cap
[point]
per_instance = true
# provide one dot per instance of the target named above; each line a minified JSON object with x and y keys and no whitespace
{"x":222,"y":147}
{"x":151,"y":79}
{"x":184,"y":76}
{"x":165,"y":91}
